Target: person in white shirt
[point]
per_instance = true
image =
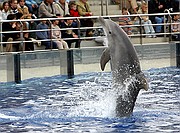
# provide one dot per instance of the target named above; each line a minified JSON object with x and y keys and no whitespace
{"x":5,"y":11}
{"x":56,"y":34}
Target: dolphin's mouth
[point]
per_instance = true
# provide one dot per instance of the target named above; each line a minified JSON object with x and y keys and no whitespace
{"x":101,"y":20}
{"x":105,"y":25}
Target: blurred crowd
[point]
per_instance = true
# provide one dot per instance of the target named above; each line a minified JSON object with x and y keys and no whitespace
{"x":149,"y":7}
{"x":32,"y":9}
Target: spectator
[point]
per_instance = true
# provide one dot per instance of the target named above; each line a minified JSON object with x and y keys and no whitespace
{"x":63,"y":7}
{"x":32,"y":6}
{"x":5,"y":10}
{"x":43,"y":35}
{"x":145,"y":20}
{"x":68,"y":23}
{"x":74,"y":13}
{"x":32,"y":35}
{"x":84,"y":11}
{"x":176,"y":26}
{"x":32,"y":26}
{"x":38,"y":2}
{"x":131,"y":5}
{"x":23,"y":9}
{"x":48,"y":9}
{"x":172,"y":4}
{"x":13,"y":6}
{"x":157,"y":6}
{"x":56,"y":34}
{"x":73,"y":9}
{"x":10,"y":37}
{"x":28,"y":46}
{"x":123,"y":21}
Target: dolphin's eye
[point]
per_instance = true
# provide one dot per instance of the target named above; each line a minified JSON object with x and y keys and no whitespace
{"x":109,"y":32}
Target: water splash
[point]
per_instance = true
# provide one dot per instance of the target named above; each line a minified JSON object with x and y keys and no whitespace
{"x":98,"y":100}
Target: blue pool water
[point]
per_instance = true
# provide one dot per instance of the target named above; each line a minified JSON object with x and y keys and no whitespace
{"x":86,"y":103}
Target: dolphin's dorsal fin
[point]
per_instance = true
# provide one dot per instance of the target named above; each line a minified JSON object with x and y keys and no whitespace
{"x":104,"y":58}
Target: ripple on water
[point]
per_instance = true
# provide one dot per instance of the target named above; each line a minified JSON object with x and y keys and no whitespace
{"x":87,"y":103}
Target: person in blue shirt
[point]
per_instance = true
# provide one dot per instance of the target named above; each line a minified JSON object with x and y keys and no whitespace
{"x":32,"y":6}
{"x":44,"y":35}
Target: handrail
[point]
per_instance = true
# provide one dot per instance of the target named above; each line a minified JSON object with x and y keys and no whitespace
{"x":21,"y":35}
{"x":169,"y":20}
{"x":1,"y":36}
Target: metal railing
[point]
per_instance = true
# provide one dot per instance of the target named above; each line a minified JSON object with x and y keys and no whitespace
{"x":141,"y":35}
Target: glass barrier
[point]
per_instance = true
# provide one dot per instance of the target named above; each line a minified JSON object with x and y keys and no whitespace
{"x":3,"y":68}
{"x":56,"y":62}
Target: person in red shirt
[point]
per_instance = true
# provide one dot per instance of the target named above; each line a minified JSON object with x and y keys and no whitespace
{"x":73,"y":10}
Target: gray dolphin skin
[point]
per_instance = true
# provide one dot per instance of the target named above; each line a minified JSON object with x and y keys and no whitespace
{"x":127,"y":76}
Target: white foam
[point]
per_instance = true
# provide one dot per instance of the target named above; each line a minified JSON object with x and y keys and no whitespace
{"x":3,"y":116}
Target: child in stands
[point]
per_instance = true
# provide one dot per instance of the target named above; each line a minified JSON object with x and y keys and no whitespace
{"x":56,"y":34}
{"x":73,"y":10}
{"x":176,"y":26}
{"x":69,"y":33}
{"x":44,"y":35}
{"x":147,"y":24}
{"x":123,"y":21}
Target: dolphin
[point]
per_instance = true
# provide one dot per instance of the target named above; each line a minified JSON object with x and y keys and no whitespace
{"x":127,"y":76}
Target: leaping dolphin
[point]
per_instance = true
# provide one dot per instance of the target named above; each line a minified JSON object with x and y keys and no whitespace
{"x":125,"y":67}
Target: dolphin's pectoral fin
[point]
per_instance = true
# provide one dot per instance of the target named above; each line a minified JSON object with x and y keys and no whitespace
{"x":104,"y":58}
{"x":142,"y":81}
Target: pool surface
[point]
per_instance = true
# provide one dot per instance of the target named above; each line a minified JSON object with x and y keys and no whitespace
{"x":86,"y":104}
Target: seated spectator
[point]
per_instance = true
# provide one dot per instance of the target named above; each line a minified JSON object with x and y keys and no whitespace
{"x":157,"y":6}
{"x":123,"y":21}
{"x":48,"y":9}
{"x":23,"y":9}
{"x":32,"y":6}
{"x":73,"y":9}
{"x":5,"y":10}
{"x":11,"y":37}
{"x":68,"y":23}
{"x":32,"y":26}
{"x":147,"y":24}
{"x":63,"y":7}
{"x":56,"y":34}
{"x":84,"y":11}
{"x":32,"y":34}
{"x":27,"y":46}
{"x":74,"y":13}
{"x":131,"y":5}
{"x":13,"y":6}
{"x":43,"y":35}
{"x":38,"y":2}
{"x":176,"y":27}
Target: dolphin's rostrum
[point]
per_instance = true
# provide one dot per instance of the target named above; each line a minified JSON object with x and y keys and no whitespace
{"x":125,"y":66}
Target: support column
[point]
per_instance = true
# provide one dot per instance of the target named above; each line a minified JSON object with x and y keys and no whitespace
{"x":70,"y":64}
{"x":178,"y":55}
{"x":17,"y":68}
{"x":13,"y":68}
{"x":67,"y":63}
